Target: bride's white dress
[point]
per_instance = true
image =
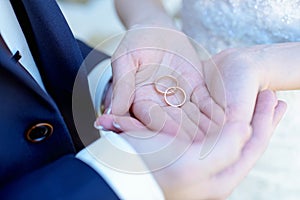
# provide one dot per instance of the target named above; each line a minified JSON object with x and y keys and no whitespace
{"x":220,"y":24}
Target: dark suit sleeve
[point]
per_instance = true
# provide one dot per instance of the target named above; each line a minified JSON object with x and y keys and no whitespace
{"x":92,"y":56}
{"x":66,"y":178}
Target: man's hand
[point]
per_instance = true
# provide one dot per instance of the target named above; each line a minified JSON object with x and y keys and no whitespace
{"x":176,"y":162}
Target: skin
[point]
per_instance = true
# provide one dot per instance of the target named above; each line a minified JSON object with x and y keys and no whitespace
{"x":215,"y":175}
{"x":240,"y":73}
{"x":226,"y":92}
{"x":245,"y":72}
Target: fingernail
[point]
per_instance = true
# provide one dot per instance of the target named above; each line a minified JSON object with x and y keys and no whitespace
{"x":99,"y":127}
{"x":116,"y":125}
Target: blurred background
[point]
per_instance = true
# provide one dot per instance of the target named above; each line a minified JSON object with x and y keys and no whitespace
{"x":95,"y":21}
{"x":277,"y":174}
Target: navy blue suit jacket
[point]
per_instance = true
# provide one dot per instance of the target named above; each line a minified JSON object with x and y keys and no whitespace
{"x":47,"y":169}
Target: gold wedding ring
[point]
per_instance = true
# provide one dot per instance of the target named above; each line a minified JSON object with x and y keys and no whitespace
{"x":175,"y":89}
{"x":167,"y":79}
{"x":170,"y":84}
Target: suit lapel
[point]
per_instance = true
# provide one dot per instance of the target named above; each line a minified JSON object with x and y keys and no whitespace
{"x":58,"y":58}
{"x":51,"y":41}
{"x":21,"y":74}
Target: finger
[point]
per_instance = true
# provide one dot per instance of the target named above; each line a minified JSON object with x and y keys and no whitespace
{"x":199,"y":119}
{"x":169,"y":120}
{"x":154,"y":117}
{"x":262,"y":120}
{"x":205,"y":123}
{"x":262,"y":125}
{"x":240,"y":100}
{"x":280,"y":110}
{"x":124,"y":70}
{"x":188,"y":125}
{"x":227,"y":146}
{"x":207,"y":105}
{"x":118,"y":123}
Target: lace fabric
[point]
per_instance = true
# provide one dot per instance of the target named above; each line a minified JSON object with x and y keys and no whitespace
{"x":219,"y":24}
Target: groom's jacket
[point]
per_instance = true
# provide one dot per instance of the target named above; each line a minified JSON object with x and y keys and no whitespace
{"x":38,"y":136}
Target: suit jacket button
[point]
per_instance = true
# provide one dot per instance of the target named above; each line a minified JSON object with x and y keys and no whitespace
{"x":39,"y":132}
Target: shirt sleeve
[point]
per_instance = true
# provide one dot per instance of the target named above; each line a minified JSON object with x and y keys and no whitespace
{"x":126,"y":185}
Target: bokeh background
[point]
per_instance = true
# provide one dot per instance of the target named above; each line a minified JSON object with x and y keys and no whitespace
{"x":277,"y":174}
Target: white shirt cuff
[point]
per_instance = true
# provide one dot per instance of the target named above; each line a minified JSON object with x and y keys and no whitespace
{"x":98,"y":79}
{"x":127,"y":185}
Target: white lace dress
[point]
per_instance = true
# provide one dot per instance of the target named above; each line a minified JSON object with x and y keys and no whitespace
{"x":219,"y":24}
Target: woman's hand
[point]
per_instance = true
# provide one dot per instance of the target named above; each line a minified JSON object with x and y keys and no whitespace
{"x":149,"y":58}
{"x":234,"y":80}
{"x":242,"y":73}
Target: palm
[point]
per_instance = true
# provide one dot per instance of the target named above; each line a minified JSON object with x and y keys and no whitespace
{"x":150,"y":106}
{"x":234,"y":85}
{"x":146,"y":55}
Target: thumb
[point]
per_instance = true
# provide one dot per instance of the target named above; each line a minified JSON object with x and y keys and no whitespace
{"x":124,"y":71}
{"x":240,"y":104}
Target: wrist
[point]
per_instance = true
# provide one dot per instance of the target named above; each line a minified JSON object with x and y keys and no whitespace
{"x":253,"y":58}
{"x":161,"y":21}
{"x":152,"y":25}
{"x":248,"y":62}
{"x":150,"y":13}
